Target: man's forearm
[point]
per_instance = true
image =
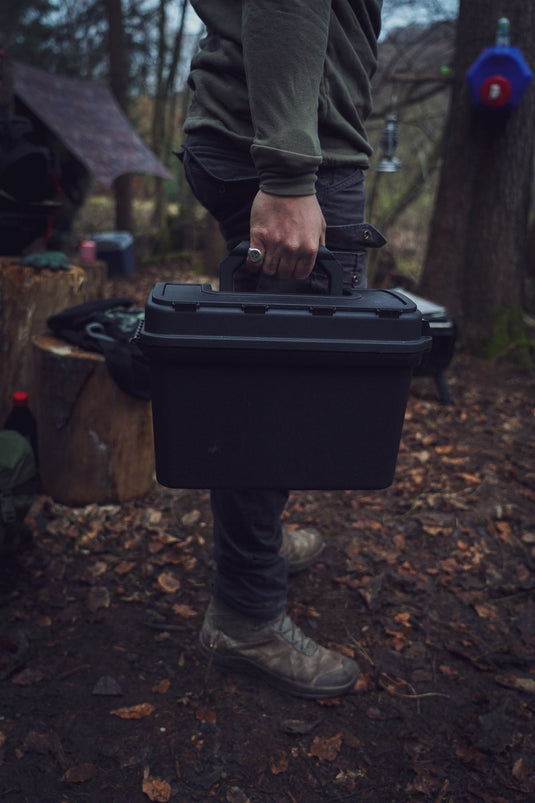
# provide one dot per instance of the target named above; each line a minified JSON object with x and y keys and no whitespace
{"x":284,"y":46}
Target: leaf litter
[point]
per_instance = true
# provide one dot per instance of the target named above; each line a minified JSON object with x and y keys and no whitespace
{"x":429,"y":584}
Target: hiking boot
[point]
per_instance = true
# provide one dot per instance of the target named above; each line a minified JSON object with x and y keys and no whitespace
{"x":301,"y":548}
{"x":277,"y":651}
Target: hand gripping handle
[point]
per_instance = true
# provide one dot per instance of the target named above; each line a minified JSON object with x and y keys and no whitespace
{"x":238,"y":255}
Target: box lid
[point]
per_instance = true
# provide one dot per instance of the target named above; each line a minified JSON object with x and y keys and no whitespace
{"x":196,"y":316}
{"x":428,"y":308}
{"x":113,"y":240}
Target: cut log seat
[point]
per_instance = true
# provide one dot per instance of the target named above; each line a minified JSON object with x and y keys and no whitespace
{"x":95,"y":441}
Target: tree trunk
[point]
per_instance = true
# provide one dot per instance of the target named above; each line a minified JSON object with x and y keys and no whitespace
{"x":27,"y":298}
{"x":124,"y":217}
{"x":118,"y":56}
{"x":477,"y":250}
{"x":164,"y":114}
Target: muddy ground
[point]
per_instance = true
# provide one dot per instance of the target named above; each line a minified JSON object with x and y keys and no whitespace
{"x":428,"y":584}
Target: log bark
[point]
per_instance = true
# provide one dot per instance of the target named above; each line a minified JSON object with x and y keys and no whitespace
{"x":27,"y":298}
{"x":95,"y":441}
{"x":96,"y":276}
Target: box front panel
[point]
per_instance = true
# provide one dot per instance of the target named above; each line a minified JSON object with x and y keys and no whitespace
{"x":277,"y":426}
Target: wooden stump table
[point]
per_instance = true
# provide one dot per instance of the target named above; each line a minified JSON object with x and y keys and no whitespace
{"x":27,"y":298}
{"x":95,"y":441}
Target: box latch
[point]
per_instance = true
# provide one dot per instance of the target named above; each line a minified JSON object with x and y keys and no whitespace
{"x":255,"y":309}
{"x":322,"y":310}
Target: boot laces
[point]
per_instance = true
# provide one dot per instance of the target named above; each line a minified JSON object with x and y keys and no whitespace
{"x":293,"y":634}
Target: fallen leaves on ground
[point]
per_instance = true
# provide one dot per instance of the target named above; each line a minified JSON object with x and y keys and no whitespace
{"x":326,"y":748}
{"x":139,"y":711}
{"x":428,"y":584}
{"x":79,"y":773}
{"x":156,"y":789}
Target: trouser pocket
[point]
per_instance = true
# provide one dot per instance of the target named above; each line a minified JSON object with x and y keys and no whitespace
{"x":226,"y":187}
{"x":349,"y":244}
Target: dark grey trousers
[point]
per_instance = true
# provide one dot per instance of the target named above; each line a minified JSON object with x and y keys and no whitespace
{"x":251,"y":575}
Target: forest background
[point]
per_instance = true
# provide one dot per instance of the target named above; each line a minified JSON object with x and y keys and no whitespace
{"x":428,"y":583}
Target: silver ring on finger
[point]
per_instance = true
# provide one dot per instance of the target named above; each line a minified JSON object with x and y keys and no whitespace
{"x":255,"y":255}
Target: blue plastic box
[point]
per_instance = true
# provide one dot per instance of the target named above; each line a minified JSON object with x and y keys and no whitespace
{"x":116,"y":249}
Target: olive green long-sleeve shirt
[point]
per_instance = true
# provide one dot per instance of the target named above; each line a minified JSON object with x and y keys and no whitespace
{"x":289,"y":81}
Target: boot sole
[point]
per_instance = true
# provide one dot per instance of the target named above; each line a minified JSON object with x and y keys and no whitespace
{"x":238,"y":664}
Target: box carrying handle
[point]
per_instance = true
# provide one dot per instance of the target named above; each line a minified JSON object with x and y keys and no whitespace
{"x":239,"y":254}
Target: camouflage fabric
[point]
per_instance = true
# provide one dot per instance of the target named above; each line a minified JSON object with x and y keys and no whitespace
{"x":18,"y":479}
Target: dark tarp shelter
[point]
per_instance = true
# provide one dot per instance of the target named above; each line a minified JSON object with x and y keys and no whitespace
{"x":86,"y":118}
{"x":64,"y":133}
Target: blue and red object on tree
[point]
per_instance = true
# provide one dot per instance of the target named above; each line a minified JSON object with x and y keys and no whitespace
{"x":500,"y":76}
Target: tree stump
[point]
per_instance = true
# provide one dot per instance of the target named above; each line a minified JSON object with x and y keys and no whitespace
{"x":95,"y":441}
{"x":96,"y":276}
{"x":27,"y":298}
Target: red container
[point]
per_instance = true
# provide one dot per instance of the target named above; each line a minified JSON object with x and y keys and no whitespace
{"x":87,"y":251}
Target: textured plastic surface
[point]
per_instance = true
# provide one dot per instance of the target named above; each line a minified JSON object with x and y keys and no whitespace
{"x":274,"y":391}
{"x":192,"y":316}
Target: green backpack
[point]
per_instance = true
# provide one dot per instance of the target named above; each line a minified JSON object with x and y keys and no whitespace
{"x":18,"y":486}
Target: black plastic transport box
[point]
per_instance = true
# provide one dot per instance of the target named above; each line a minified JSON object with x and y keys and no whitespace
{"x":253,"y":390}
{"x":443,"y":331}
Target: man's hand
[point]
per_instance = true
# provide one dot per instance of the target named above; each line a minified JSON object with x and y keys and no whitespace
{"x":289,"y":231}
